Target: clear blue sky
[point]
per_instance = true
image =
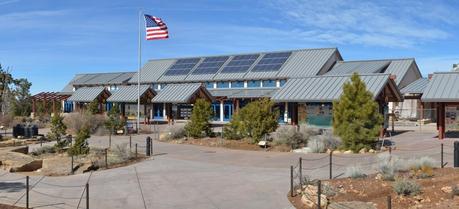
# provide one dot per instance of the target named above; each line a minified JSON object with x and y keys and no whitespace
{"x":48,"y":41}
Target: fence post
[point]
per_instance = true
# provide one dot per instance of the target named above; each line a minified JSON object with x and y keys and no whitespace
{"x":319,"y":194}
{"x":148,"y":146}
{"x":106,"y":160}
{"x":389,"y":202}
{"x":27,"y":192}
{"x":456,"y":154}
{"x":110,"y":138}
{"x":291,"y":181}
{"x":135,"y":150}
{"x":72,"y":166}
{"x":87,"y":195}
{"x":331,"y":166}
{"x":130,"y":143}
{"x":441,"y":158}
{"x":300,"y":166}
{"x":390,"y":150}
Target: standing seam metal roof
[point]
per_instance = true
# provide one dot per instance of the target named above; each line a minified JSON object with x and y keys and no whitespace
{"x":325,"y":88}
{"x":417,"y":87}
{"x":443,"y":87}
{"x":177,"y":93}
{"x":86,"y":94}
{"x":103,"y":78}
{"x":361,"y":67}
{"x":127,"y":93}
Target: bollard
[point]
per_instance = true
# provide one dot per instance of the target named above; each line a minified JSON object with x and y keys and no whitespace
{"x":72,"y":166}
{"x":148,"y":146}
{"x":390,"y":150}
{"x":319,"y":193}
{"x":87,"y":195}
{"x":27,"y":192}
{"x":441,"y":157}
{"x":456,"y":154}
{"x":135,"y":150}
{"x":300,"y":166}
{"x":130,"y":143}
{"x":106,"y":160}
{"x":389,"y":202}
{"x":331,"y":166}
{"x":110,"y":139}
{"x":291,"y":181}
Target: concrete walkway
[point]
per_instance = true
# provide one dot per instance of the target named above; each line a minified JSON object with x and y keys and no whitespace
{"x":187,"y":176}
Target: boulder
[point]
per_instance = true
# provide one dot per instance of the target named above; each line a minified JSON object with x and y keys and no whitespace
{"x":363,"y":151}
{"x":348,"y":152}
{"x":28,"y":167}
{"x":14,"y":160}
{"x":263,"y":143}
{"x":310,"y":197}
{"x":447,"y":189}
{"x":336,"y":152}
{"x":371,"y":151}
{"x":304,"y":150}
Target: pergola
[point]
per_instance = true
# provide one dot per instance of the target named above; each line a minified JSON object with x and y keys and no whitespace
{"x":48,"y":97}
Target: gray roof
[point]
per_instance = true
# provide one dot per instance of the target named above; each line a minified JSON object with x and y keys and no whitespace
{"x":127,"y":93}
{"x":417,"y":87}
{"x":303,"y":62}
{"x":103,"y":78}
{"x":243,"y":93}
{"x":177,"y":93}
{"x":361,"y":67}
{"x":68,"y":89}
{"x":86,"y":94}
{"x":325,"y":88}
{"x":400,"y":68}
{"x":443,"y":87}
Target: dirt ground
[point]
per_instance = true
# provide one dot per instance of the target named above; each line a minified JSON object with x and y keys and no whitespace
{"x":376,"y":191}
{"x":2,"y":206}
{"x":230,"y":144}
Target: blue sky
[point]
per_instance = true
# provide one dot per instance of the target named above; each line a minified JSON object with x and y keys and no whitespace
{"x":49,"y":41}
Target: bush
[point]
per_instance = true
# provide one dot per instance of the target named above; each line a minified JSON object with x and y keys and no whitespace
{"x":254,"y":121}
{"x":406,"y":187}
{"x":76,"y":121}
{"x":114,"y":121}
{"x":423,"y":162}
{"x":199,"y":125}
{"x":388,"y":165}
{"x":320,"y":143}
{"x":355,"y":172}
{"x":43,"y":150}
{"x":288,"y":135}
{"x":356,"y":117}
{"x":57,"y":129}
{"x":308,"y":132}
{"x":176,"y":131}
{"x":316,"y":145}
{"x":119,"y":154}
{"x":80,"y":146}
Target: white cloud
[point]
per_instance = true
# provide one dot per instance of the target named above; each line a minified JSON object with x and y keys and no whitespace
{"x":382,"y":23}
{"x":5,"y":2}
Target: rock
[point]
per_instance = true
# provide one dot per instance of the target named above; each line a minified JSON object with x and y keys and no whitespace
{"x":263,"y":143}
{"x":447,"y":189}
{"x":304,"y":150}
{"x":328,"y":151}
{"x":32,"y":166}
{"x":371,"y":151}
{"x":379,"y":176}
{"x":311,"y":200}
{"x":336,"y":152}
{"x":418,"y":198}
{"x":348,"y":152}
{"x":353,"y":205}
{"x":14,"y":160}
{"x":363,"y":151}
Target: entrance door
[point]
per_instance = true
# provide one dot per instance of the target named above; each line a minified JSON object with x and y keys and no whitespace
{"x":228,"y":111}
{"x":216,"y":111}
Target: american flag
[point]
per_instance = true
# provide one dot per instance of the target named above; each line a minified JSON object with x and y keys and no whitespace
{"x":156,"y":28}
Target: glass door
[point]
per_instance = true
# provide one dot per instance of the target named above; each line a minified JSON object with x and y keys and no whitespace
{"x":228,"y":111}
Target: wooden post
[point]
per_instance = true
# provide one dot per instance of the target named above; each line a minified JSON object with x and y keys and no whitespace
{"x":441,"y":129}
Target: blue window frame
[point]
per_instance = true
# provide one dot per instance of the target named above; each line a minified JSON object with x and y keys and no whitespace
{"x":269,"y":83}
{"x":237,"y":84}
{"x":282,"y":82}
{"x":216,"y":111}
{"x":222,"y":84}
{"x":253,"y":84}
{"x":158,"y":111}
{"x":210,"y":85}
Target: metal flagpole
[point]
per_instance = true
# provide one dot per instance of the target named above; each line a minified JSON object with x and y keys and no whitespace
{"x":138,"y":73}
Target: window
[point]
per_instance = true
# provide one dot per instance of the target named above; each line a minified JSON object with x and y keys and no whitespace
{"x":156,"y":86}
{"x":222,"y":84}
{"x":253,"y":84}
{"x":282,"y":82}
{"x":269,"y":83}
{"x":237,"y":84}
{"x":210,"y":85}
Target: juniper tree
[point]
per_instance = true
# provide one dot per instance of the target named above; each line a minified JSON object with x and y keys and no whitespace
{"x":356,"y":117}
{"x":199,"y":124}
{"x":58,"y":129}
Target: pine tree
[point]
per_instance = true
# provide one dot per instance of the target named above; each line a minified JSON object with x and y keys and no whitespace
{"x":356,"y":118}
{"x":93,"y":107}
{"x":199,"y":125}
{"x":81,"y":144}
{"x":58,"y":129}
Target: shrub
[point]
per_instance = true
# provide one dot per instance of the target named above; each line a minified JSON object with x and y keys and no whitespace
{"x":93,"y":107}
{"x":176,"y":131}
{"x":356,"y":117}
{"x":308,"y":132}
{"x":254,"y":121}
{"x":455,"y":190}
{"x":76,"y":121}
{"x":114,"y":121}
{"x":119,"y":154}
{"x":316,"y":145}
{"x":288,"y":135}
{"x":406,"y":187}
{"x":57,"y":129}
{"x":355,"y":172}
{"x":81,"y":144}
{"x":388,"y":165}
{"x":43,"y":150}
{"x":232,"y":130}
{"x":423,"y":162}
{"x":199,"y":125}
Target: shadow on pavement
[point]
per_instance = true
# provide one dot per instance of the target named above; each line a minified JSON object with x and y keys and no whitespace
{"x":11,"y":186}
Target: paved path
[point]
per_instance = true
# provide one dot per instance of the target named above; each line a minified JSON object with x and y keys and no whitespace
{"x":187,"y":176}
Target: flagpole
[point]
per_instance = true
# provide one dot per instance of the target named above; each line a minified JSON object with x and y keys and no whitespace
{"x":138,"y":72}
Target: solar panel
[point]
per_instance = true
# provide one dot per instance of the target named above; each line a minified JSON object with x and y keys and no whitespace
{"x":240,"y":63}
{"x":210,"y":65}
{"x":182,"y":66}
{"x":271,"y":62}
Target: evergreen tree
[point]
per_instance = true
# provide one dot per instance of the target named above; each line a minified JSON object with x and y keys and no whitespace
{"x":199,"y":125}
{"x":80,"y":147}
{"x":356,"y":118}
{"x":58,"y":129}
{"x":93,"y":107}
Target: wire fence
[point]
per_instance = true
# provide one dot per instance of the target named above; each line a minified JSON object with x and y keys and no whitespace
{"x":331,"y":166}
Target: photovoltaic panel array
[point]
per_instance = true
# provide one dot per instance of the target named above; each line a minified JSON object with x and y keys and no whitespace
{"x":210,"y":65}
{"x":182,"y":66}
{"x":271,"y":62}
{"x":240,"y":63}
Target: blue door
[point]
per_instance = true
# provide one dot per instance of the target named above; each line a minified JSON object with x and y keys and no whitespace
{"x":158,"y":111}
{"x":216,"y":111}
{"x":228,"y":111}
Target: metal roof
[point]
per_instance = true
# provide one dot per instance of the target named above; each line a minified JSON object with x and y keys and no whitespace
{"x":86,"y":94}
{"x":68,"y":89}
{"x":127,"y":93}
{"x":103,"y":78}
{"x":152,"y":71}
{"x":361,"y":67}
{"x":325,"y":88}
{"x":443,"y":87}
{"x":417,"y":87}
{"x":243,"y":93}
{"x":178,"y":93}
{"x":308,"y":62}
{"x":400,"y":68}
